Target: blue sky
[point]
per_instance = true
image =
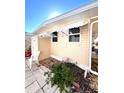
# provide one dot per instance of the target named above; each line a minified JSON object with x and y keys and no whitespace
{"x":38,"y":11}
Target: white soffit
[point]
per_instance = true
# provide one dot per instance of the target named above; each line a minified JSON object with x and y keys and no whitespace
{"x":72,"y":25}
{"x":45,"y":34}
{"x":78,"y":24}
{"x":65,"y":28}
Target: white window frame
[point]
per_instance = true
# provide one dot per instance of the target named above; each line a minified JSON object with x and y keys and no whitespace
{"x":75,"y":34}
{"x":54,"y":36}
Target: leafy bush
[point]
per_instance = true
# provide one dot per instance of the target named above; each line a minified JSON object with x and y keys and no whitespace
{"x":62,"y":76}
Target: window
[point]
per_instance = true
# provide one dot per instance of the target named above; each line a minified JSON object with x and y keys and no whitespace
{"x":74,"y":34}
{"x":54,"y":37}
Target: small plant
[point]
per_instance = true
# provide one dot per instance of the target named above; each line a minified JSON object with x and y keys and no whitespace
{"x":28,"y":52}
{"x":62,"y":76}
{"x":29,"y":48}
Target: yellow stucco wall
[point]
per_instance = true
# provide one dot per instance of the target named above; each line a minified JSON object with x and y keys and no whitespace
{"x":44,"y":48}
{"x":77,"y":51}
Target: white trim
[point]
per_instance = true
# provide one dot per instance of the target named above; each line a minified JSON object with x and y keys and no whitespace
{"x":56,"y":57}
{"x":90,"y":52}
{"x":73,"y":35}
{"x":87,"y":69}
{"x":54,"y":36}
{"x":94,"y":72}
{"x":34,"y":47}
{"x":85,"y":73}
{"x":63,"y":29}
{"x":94,"y":17}
{"x":75,"y":25}
{"x":44,"y":34}
{"x":84,"y":67}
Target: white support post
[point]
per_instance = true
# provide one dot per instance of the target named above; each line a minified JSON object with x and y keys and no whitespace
{"x":90,"y":52}
{"x":34,"y":47}
{"x":85,"y":73}
{"x":30,"y":62}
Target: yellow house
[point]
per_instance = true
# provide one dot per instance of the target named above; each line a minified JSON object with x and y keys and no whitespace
{"x":70,"y":35}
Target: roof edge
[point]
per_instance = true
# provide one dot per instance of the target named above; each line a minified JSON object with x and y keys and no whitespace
{"x":70,"y":13}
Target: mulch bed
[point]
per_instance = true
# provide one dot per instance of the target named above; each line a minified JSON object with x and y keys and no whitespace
{"x":87,"y":85}
{"x":48,"y":62}
{"x":94,"y":65}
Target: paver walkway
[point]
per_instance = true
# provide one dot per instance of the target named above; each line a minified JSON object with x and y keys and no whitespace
{"x":35,"y":81}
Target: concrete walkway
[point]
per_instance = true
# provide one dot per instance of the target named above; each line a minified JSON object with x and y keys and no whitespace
{"x":35,"y":81}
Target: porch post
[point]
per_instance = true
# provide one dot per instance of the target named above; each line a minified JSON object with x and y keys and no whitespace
{"x":34,"y":48}
{"x":90,"y":43}
{"x":90,"y":55}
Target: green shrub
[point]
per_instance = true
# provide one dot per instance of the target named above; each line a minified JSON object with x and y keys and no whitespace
{"x":62,"y":76}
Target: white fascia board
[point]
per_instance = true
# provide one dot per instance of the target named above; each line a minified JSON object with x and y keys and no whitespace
{"x":74,"y":12}
{"x":45,"y":34}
